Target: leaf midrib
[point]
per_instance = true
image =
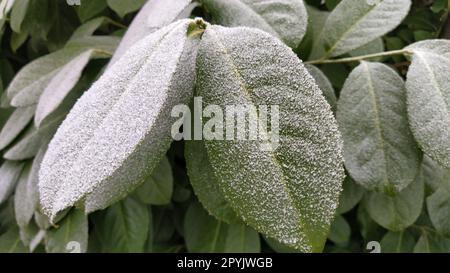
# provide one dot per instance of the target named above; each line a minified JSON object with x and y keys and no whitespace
{"x":247,"y":94}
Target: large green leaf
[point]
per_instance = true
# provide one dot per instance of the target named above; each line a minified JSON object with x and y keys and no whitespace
{"x":203,"y":233}
{"x":153,"y":15}
{"x":70,"y":235}
{"x":205,"y":183}
{"x":354,"y":23}
{"x":97,"y":155}
{"x":399,"y":212}
{"x":123,"y":7}
{"x":90,"y":8}
{"x":428,"y":97}
{"x":285,"y":19}
{"x":158,"y":187}
{"x":23,"y":210}
{"x":125,"y":227}
{"x":9,"y":174}
{"x":398,"y":242}
{"x":379,"y":149}
{"x":340,"y":231}
{"x":18,"y":13}
{"x":431,"y":242}
{"x":289,"y":192}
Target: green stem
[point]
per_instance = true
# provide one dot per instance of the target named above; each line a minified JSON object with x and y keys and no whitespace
{"x":360,"y":58}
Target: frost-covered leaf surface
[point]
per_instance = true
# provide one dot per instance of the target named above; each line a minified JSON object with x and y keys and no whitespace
{"x":73,"y":228}
{"x":324,"y":85}
{"x":376,"y":46}
{"x":289,"y":193}
{"x":158,"y":187}
{"x":399,"y":212}
{"x":15,"y":124}
{"x":9,"y":174}
{"x":285,"y":19}
{"x":379,"y":149}
{"x":205,"y":183}
{"x":119,"y":129}
{"x":428,"y":97}
{"x":205,"y":234}
{"x":153,"y":15}
{"x":354,"y":23}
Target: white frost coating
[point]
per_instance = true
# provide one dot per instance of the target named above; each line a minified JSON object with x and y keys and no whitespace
{"x":354,"y":23}
{"x":120,"y":128}
{"x":60,"y":85}
{"x":9,"y":174}
{"x":324,"y":85}
{"x":428,"y":98}
{"x":15,"y":124}
{"x":289,"y":194}
{"x":379,"y":149}
{"x":153,"y":15}
{"x":285,"y":19}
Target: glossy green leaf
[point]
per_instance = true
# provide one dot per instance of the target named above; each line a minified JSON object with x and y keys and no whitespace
{"x":398,"y":242}
{"x":350,"y":196}
{"x":123,"y":7}
{"x":205,"y":183}
{"x":289,"y":193}
{"x":379,"y":149}
{"x":116,"y":154}
{"x":399,"y":212}
{"x":125,"y":227}
{"x":354,"y":23}
{"x":429,"y":97}
{"x":340,"y":231}
{"x":10,"y":242}
{"x":205,"y":234}
{"x":285,"y":19}
{"x":71,"y":235}
{"x":158,"y":187}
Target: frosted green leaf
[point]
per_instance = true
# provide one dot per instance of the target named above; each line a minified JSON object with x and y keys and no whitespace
{"x":285,"y":19}
{"x":15,"y":124}
{"x":431,"y":242}
{"x":205,"y":234}
{"x":60,"y":85}
{"x":119,"y":129}
{"x":205,"y":184}
{"x":29,"y":144}
{"x":73,"y":228}
{"x":399,"y":212}
{"x":123,"y":7}
{"x":278,"y":247}
{"x":376,"y":46}
{"x":340,"y":231}
{"x":354,"y":23}
{"x":428,"y":97}
{"x":350,"y":196}
{"x":379,"y":149}
{"x":158,"y":187}
{"x":324,"y":85}
{"x":153,"y":15}
{"x":125,"y":227}
{"x":438,"y":206}
{"x":23,"y":209}
{"x":289,"y":193}
{"x":398,"y":242}
{"x":10,"y":242}
{"x":9,"y":174}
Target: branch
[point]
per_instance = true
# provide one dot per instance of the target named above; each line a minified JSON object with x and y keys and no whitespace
{"x":361,"y":58}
